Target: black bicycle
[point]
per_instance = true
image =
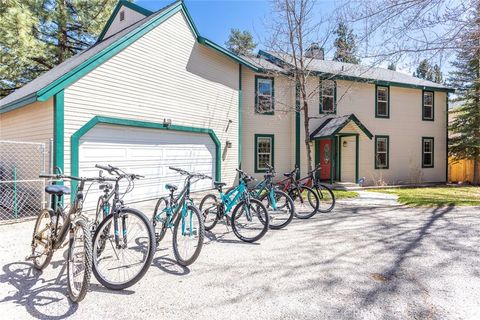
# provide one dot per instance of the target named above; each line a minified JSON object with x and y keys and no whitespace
{"x":178,"y":212}
{"x":50,"y":233}
{"x":124,"y":241}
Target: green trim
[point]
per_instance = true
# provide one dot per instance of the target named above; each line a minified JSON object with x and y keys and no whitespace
{"x":59,"y":130}
{"x":339,"y":169}
{"x":317,"y":152}
{"x":240,"y":115}
{"x":18,"y":103}
{"x":272,"y":149}
{"x":376,"y":102}
{"x":433,"y":152}
{"x":334,"y":97}
{"x":233,"y":56}
{"x":117,"y":8}
{"x":388,"y":152}
{"x":75,"y":138}
{"x":357,"y":156}
{"x":332,"y":144}
{"x":256,"y":95}
{"x":446,"y":137}
{"x":297,"y":127}
{"x":423,"y":105}
{"x":353,"y":118}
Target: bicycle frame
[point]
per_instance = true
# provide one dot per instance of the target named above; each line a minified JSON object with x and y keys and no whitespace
{"x":237,"y":193}
{"x":263,"y":185}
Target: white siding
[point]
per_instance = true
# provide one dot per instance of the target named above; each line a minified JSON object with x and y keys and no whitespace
{"x":30,"y":123}
{"x":164,"y":74}
{"x":131,"y":16}
{"x":280,"y":124}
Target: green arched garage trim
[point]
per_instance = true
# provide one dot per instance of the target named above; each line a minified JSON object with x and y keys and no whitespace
{"x":75,"y":138}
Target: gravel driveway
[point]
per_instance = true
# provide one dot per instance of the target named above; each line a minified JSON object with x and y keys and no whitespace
{"x":376,"y":262}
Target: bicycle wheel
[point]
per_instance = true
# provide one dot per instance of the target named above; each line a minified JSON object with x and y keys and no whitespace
{"x":250,"y":220}
{"x":41,"y":240}
{"x":160,"y":219}
{"x":188,"y":234}
{"x":306,"y":203}
{"x":79,"y":266}
{"x":209,"y":209}
{"x":121,"y":265}
{"x":281,"y":212}
{"x":99,"y":212}
{"x":326,"y":198}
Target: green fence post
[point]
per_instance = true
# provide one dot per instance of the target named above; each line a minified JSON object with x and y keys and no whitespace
{"x":15,"y":204}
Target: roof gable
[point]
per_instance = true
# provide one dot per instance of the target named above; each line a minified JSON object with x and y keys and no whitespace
{"x":332,"y":125}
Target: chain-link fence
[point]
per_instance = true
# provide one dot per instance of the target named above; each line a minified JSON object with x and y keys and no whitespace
{"x":21,"y":191}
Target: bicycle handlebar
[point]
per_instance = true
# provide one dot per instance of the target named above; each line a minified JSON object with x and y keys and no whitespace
{"x":245,"y":175}
{"x":190,"y":174}
{"x":119,"y":172}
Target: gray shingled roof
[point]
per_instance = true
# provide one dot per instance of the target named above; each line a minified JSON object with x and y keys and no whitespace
{"x":330,"y":125}
{"x":53,"y":74}
{"x":261,"y":63}
{"x":360,"y":71}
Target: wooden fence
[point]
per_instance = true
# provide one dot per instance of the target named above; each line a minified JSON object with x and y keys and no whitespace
{"x":460,"y":170}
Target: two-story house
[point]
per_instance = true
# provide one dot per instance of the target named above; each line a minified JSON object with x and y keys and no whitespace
{"x":153,"y":93}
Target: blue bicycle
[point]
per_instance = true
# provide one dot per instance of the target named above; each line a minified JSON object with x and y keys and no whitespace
{"x":180,"y":214}
{"x":279,"y":204}
{"x":249,"y":218}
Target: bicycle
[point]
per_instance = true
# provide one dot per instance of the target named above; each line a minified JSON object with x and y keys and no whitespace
{"x":180,"y":214}
{"x":51,"y":229}
{"x":304,"y":198}
{"x":123,"y":253}
{"x":279,"y":205}
{"x":249,"y":214}
{"x":326,"y":197}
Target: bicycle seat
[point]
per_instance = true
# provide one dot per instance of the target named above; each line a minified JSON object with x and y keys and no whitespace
{"x":288,"y":174}
{"x":219,"y":184}
{"x":171,"y":187}
{"x":57,"y":190}
{"x":268,"y":175}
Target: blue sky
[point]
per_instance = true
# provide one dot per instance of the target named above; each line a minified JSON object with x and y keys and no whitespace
{"x":215,"y":18}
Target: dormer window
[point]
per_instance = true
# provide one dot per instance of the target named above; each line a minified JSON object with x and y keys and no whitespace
{"x":122,"y":15}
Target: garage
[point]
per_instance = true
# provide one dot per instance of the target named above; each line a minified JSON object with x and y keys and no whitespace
{"x":147,"y":152}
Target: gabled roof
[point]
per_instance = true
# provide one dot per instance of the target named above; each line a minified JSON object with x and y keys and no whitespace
{"x":66,"y":73}
{"x":356,"y":72}
{"x":332,"y":125}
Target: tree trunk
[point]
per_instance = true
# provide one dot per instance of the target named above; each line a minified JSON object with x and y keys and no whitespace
{"x":306,"y":120}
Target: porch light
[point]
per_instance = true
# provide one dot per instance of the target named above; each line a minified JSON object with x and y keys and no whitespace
{"x":167,"y":122}
{"x":228,"y":144}
{"x":344,"y":144}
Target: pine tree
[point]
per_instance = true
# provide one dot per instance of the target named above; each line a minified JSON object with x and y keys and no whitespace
{"x":37,"y":35}
{"x":345,"y":45}
{"x":240,"y":42}
{"x":437,"y":74}
{"x":464,"y":142}
{"x":423,"y":70}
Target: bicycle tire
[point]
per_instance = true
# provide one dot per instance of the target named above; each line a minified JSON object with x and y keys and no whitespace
{"x":321,"y":189}
{"x":40,"y":266}
{"x":288,"y":202}
{"x":87,"y":248}
{"x":146,"y":263}
{"x":208,"y":226}
{"x":236,"y":216}
{"x":201,"y":230}
{"x":163,"y":229}
{"x":294,"y":194}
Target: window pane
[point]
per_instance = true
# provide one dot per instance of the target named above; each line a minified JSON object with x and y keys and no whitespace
{"x":327,"y":104}
{"x":428,"y":98}
{"x":265,"y":87}
{"x":382,"y":145}
{"x":263,"y":145}
{"x":264,"y":104}
{"x":427,"y":112}
{"x":427,"y":146}
{"x":263,"y":160}
{"x":381,"y":160}
{"x":382,"y":94}
{"x":382,"y":108}
{"x":427,"y":159}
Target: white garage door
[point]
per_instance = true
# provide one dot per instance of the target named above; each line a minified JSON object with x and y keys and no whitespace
{"x":147,"y":152}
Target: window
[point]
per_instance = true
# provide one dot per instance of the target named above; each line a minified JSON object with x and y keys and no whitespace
{"x":122,"y":15}
{"x":427,"y":152}
{"x":263,"y":151}
{"x":264,"y":95}
{"x":327,"y":96}
{"x":382,"y":149}
{"x":428,"y":106}
{"x":382,"y":107}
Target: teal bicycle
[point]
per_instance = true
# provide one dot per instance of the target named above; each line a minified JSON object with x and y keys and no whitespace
{"x":249,"y":218}
{"x":179,"y":214}
{"x":279,"y":204}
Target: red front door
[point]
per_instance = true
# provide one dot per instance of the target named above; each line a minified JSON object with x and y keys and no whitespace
{"x":325,"y":156}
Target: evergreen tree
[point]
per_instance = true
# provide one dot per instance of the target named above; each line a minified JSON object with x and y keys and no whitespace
{"x":240,"y":42}
{"x":345,"y":45}
{"x":37,"y":35}
{"x":392,"y":66}
{"x":437,"y":74}
{"x":464,"y":142}
{"x":423,"y":70}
